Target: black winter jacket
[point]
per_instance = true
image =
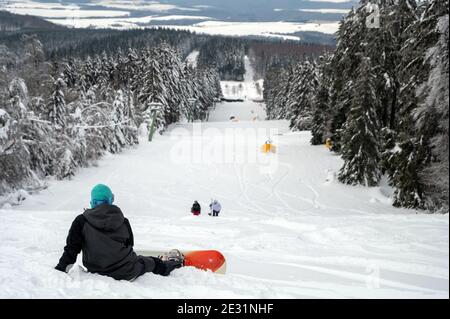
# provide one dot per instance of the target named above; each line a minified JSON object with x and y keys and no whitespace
{"x":196,"y":207}
{"x":106,"y":239}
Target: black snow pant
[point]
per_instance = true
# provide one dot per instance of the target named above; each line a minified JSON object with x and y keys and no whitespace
{"x":157,"y":266}
{"x":215,"y":213}
{"x":148,"y":264}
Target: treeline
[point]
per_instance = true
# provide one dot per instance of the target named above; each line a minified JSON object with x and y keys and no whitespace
{"x":58,"y":115}
{"x":381,"y":97}
{"x":227,"y":55}
{"x":279,"y":54}
{"x":80,"y":43}
{"x":10,"y":22}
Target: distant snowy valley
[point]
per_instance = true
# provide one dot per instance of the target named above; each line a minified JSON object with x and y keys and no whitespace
{"x":131,"y":14}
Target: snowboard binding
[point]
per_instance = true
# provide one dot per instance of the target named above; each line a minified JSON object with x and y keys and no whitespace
{"x":173,"y":255}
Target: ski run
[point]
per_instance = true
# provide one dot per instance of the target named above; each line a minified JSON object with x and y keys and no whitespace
{"x":287,"y":229}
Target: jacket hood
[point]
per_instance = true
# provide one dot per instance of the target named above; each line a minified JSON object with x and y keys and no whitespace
{"x":105,"y":217}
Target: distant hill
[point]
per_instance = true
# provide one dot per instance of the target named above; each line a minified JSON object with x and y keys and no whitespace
{"x":10,"y":22}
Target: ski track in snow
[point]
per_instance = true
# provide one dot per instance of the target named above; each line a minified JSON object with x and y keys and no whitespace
{"x":287,"y":234}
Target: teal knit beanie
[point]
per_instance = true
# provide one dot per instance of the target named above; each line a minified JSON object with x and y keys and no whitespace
{"x":101,"y":194}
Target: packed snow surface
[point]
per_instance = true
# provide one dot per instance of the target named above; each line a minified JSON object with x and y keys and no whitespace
{"x":291,"y":231}
{"x":249,"y":89}
{"x":288,"y":229}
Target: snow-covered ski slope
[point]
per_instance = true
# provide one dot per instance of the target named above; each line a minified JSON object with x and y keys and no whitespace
{"x":250,"y":89}
{"x":288,"y":229}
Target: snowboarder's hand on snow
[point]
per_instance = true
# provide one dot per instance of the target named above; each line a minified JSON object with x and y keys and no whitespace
{"x":172,"y":265}
{"x":164,"y":268}
{"x":64,"y":269}
{"x":68,"y":268}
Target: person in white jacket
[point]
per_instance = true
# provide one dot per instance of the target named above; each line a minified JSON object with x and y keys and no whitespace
{"x":215,"y":208}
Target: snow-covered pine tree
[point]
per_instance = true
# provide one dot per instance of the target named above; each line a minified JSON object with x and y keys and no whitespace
{"x":57,"y":111}
{"x":8,"y":133}
{"x":131,"y":67}
{"x":150,"y":85}
{"x":105,"y":77}
{"x":403,"y":162}
{"x":281,"y":99}
{"x":171,"y":72}
{"x":321,"y":104}
{"x":130,"y":128}
{"x":19,"y":98}
{"x":208,"y":94}
{"x":345,"y":62}
{"x":90,"y":118}
{"x":360,"y":137}
{"x":218,"y":94}
{"x":118,"y":122}
{"x":414,"y":150}
{"x":271,"y":79}
{"x":34,"y":135}
{"x":77,"y":134}
{"x":39,"y":139}
{"x":393,"y":51}
{"x":434,"y":108}
{"x":88,"y":74}
{"x":295,"y":108}
{"x":301,"y":96}
{"x":33,"y":50}
{"x":6,"y":60}
{"x":189,"y":110}
{"x":65,"y":166}
{"x":14,"y":158}
{"x":70,"y":73}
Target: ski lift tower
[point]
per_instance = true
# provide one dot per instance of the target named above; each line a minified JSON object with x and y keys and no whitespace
{"x":154,"y":107}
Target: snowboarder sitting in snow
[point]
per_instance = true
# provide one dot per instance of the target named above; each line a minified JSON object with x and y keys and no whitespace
{"x":196,"y":208}
{"x":106,"y":239}
{"x":215,"y":208}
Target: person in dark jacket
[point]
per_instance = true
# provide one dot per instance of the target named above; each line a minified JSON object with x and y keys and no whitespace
{"x":196,"y":209}
{"x":106,"y":239}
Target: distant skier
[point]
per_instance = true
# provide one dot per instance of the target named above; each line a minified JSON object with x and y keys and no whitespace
{"x":106,"y":239}
{"x":254,"y":117}
{"x":196,"y":209}
{"x":215,"y":208}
